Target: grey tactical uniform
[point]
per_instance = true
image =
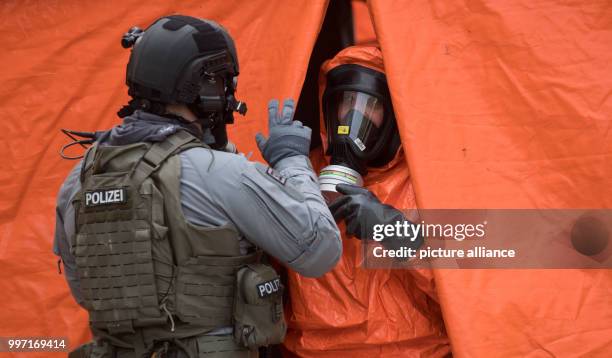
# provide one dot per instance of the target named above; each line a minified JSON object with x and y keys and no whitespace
{"x":281,"y":211}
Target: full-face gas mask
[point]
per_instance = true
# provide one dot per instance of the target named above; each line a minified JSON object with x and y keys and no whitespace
{"x":360,"y":124}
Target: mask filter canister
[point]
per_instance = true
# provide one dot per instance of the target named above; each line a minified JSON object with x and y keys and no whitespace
{"x":332,"y":175}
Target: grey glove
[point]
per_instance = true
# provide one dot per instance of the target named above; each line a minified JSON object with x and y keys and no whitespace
{"x":287,"y":138}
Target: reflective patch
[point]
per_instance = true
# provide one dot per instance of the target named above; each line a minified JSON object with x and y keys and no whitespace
{"x":343,"y":129}
{"x":276,"y":176}
{"x":360,"y":144}
{"x":268,"y":288}
{"x":166,"y":130}
{"x":105,"y":197}
{"x":260,"y":187}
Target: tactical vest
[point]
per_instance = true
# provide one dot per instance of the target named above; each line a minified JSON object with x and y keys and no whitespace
{"x":146,"y":273}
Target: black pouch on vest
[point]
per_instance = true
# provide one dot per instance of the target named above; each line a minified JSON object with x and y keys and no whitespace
{"x":258,"y":307}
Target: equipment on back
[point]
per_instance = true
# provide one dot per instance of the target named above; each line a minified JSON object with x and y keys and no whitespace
{"x":258,"y":307}
{"x":147,"y":275}
{"x":184,"y":60}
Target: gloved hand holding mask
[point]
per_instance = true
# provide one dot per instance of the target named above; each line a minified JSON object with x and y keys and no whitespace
{"x":361,"y":210}
{"x":287,"y":138}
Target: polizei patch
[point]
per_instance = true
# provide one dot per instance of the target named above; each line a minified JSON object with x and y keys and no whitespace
{"x":105,"y":197}
{"x":268,"y":288}
{"x":276,"y":176}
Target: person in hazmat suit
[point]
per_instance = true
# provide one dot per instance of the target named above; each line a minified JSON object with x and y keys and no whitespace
{"x":163,"y":230}
{"x":355,"y":311}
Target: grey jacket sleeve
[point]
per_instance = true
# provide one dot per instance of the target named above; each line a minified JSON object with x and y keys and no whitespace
{"x":65,"y":227}
{"x":279,"y":210}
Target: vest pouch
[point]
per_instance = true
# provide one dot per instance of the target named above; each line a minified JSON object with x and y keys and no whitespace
{"x":258,"y":307}
{"x":205,"y":290}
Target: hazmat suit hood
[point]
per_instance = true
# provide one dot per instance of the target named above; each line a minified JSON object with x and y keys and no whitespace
{"x":366,"y":56}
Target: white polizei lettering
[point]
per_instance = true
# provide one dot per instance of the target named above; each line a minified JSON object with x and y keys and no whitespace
{"x":104,"y":197}
{"x":268,"y":288}
{"x":110,"y":196}
{"x":117,"y":196}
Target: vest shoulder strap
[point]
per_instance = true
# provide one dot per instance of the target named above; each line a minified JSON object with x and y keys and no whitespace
{"x":88,"y":160}
{"x":161,"y":151}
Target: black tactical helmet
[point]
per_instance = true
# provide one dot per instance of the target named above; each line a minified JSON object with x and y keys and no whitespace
{"x":182,"y":59}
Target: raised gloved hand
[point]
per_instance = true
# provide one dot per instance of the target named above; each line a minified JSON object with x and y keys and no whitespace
{"x":287,"y":138}
{"x":361,"y":210}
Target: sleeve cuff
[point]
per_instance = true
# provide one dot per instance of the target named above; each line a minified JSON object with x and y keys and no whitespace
{"x":296,"y":161}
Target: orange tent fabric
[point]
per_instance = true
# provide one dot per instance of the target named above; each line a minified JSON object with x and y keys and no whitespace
{"x":359,"y":312}
{"x":63,"y":67}
{"x":500,"y":104}
{"x":507,"y":105}
{"x":362,"y":23}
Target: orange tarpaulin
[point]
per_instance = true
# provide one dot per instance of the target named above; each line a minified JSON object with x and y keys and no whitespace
{"x":500,"y":105}
{"x":63,"y":67}
{"x":506,"y":104}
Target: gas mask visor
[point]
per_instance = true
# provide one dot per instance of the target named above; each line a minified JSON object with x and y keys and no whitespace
{"x":356,"y":119}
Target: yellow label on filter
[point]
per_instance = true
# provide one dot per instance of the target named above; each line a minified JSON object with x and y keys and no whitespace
{"x":343,"y":129}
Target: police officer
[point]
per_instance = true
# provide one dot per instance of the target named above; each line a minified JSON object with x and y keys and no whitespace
{"x":162,"y":230}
